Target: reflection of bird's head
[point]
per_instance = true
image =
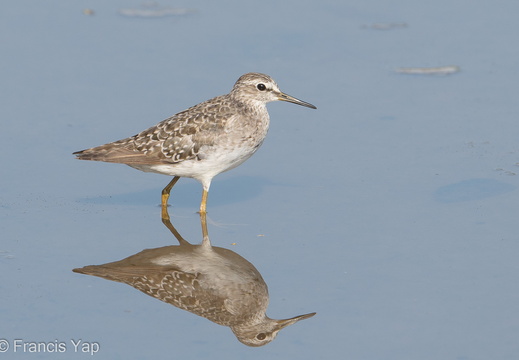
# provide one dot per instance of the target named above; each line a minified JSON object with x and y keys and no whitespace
{"x":265,"y":331}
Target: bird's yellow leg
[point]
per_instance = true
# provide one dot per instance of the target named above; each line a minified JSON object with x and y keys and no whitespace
{"x":165,"y":195}
{"x":203,"y":203}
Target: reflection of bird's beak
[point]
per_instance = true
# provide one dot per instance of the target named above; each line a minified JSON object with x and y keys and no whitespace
{"x":284,"y":97}
{"x":284,"y":323}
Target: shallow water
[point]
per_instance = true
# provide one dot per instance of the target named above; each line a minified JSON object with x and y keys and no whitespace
{"x":391,"y":210}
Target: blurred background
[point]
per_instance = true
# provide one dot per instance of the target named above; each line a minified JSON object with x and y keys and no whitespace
{"x":391,"y":210}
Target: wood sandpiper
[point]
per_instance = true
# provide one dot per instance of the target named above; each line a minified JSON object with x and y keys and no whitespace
{"x":204,"y":140}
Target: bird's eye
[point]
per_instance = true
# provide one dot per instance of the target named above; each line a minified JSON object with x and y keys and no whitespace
{"x":261,"y":336}
{"x":261,"y":87}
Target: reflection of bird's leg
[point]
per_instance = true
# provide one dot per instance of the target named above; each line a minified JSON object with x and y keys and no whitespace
{"x":165,"y":192}
{"x":205,"y":233}
{"x":166,"y":221}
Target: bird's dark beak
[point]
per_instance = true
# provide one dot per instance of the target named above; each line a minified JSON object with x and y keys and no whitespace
{"x":284,"y":323}
{"x":284,"y":97}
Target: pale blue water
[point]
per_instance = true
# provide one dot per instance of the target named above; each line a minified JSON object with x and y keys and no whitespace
{"x":391,"y":210}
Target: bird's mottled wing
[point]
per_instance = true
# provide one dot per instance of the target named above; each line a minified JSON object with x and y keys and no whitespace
{"x":173,"y":140}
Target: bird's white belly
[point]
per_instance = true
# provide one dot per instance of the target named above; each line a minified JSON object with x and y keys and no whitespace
{"x":203,"y":170}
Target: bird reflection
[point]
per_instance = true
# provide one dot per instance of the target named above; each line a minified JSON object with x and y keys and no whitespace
{"x":209,"y":281}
